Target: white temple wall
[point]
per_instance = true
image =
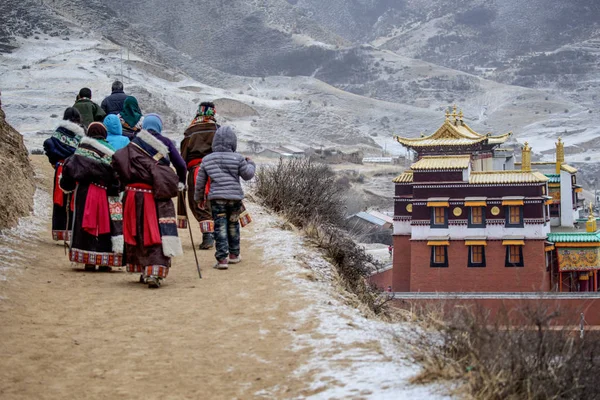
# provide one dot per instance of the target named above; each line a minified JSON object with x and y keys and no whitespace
{"x":566,"y":200}
{"x":402,"y":228}
{"x":529,"y":231}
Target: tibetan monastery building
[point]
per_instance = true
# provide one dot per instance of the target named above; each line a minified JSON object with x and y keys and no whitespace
{"x":468,"y":219}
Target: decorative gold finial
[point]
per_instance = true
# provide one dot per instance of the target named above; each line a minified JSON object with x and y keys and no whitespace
{"x":560,"y":154}
{"x":460,"y":116}
{"x":526,"y":158}
{"x":447,"y":114}
{"x":591,"y":225}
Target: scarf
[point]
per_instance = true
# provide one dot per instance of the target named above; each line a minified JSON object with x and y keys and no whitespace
{"x":96,"y":215}
{"x":159,"y":225}
{"x":131,"y":113}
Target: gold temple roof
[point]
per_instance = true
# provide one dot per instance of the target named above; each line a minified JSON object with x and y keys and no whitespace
{"x":506,"y":177}
{"x":405,"y":177}
{"x":442,"y":163}
{"x":455,"y":133}
{"x":568,"y":168}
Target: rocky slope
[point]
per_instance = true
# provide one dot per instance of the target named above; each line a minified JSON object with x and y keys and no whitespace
{"x":274,"y":55}
{"x":16,"y":175}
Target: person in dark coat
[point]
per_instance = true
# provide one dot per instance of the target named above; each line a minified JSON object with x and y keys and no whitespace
{"x":197,"y":144}
{"x":97,"y":238}
{"x":60,"y":146}
{"x":90,"y":111}
{"x":149,"y":218}
{"x":113,"y":104}
{"x":225,"y":167}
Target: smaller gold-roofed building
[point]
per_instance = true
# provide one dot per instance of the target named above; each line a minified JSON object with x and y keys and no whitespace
{"x":562,"y":187}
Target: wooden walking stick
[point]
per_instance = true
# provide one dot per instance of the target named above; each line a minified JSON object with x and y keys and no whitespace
{"x":191,"y":236}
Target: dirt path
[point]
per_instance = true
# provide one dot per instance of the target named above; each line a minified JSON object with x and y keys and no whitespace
{"x":68,"y":334}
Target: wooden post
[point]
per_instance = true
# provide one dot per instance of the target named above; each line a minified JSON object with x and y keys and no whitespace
{"x":595,"y":281}
{"x":560,"y":282}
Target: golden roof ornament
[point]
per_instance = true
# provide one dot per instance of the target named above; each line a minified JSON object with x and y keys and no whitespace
{"x":560,"y":154}
{"x":526,"y":158}
{"x":591,"y":226}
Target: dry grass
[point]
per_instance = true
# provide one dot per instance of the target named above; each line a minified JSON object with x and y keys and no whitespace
{"x":310,"y":196}
{"x":500,"y":359}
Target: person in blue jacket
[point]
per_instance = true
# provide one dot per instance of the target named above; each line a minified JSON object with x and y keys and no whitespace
{"x":115,"y":132}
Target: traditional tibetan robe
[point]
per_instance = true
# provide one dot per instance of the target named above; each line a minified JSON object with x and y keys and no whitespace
{"x":97,"y":237}
{"x":149,"y":218}
{"x":197,"y":144}
{"x":60,"y":146}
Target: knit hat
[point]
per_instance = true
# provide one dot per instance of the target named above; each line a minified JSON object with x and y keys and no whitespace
{"x":96,"y":130}
{"x":152,"y":122}
{"x":207,"y":109}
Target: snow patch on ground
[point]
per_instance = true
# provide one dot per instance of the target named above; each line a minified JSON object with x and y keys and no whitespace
{"x":352,"y":355}
{"x":27,"y":230}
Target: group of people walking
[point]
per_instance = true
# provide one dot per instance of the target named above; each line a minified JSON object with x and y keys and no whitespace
{"x":115,"y":178}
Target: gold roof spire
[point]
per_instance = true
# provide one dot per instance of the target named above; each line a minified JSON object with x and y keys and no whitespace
{"x":560,"y":154}
{"x":526,"y":158}
{"x":591,"y":225}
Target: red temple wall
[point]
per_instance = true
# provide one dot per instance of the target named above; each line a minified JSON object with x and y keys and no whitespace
{"x":458,"y":277}
{"x":383,"y":279}
{"x":569,"y":310}
{"x":401,"y":264}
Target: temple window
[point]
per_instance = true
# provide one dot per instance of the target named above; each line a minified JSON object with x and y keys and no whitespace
{"x":514,"y":216}
{"x":476,"y":256}
{"x":439,"y":217}
{"x":514,"y":256}
{"x":477,"y":217}
{"x":439,"y":256}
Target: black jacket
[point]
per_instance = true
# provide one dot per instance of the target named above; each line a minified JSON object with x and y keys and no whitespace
{"x":113,"y":104}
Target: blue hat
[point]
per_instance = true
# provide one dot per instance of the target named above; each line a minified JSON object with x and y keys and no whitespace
{"x":152,"y":122}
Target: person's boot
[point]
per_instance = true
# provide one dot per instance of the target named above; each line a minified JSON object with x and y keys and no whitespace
{"x":208,"y":241}
{"x":153,"y":282}
{"x":221,"y":264}
{"x":235,"y":259}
